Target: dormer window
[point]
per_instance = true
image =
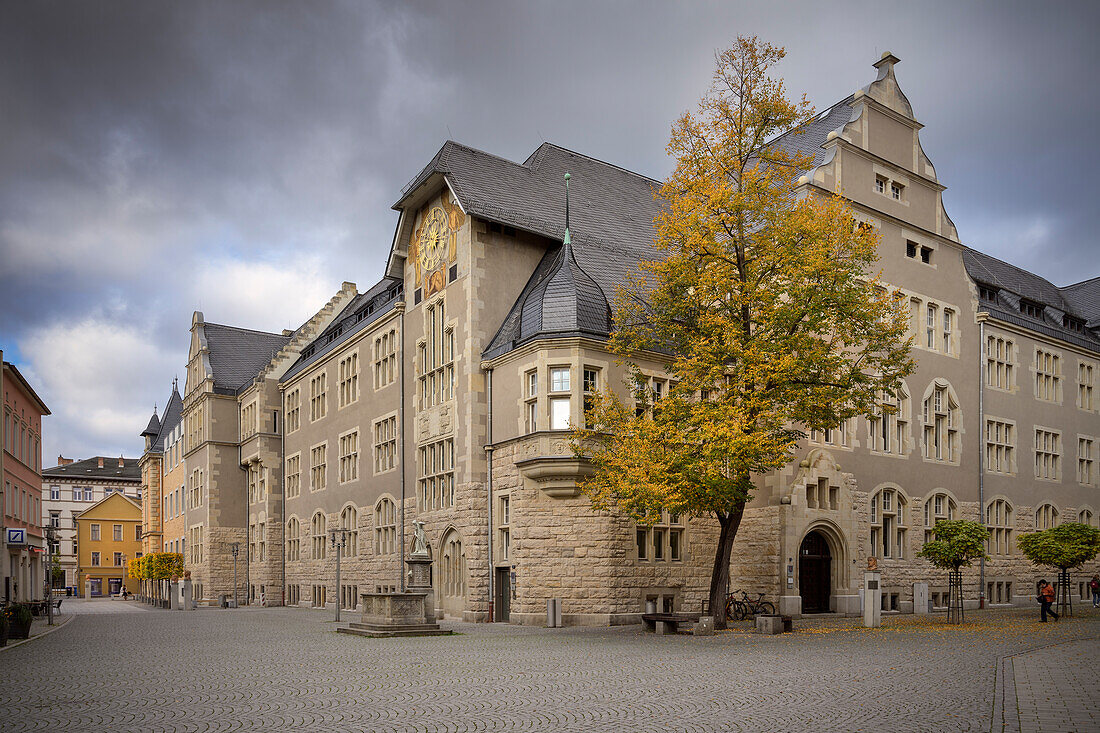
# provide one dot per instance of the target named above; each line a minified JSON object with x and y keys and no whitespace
{"x":987,"y":293}
{"x":1032,"y":310}
{"x":1073,"y":324}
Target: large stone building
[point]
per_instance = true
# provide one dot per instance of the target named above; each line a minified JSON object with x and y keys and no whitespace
{"x":69,"y":488}
{"x":444,"y":394}
{"x":161,"y":474}
{"x":22,"y":564}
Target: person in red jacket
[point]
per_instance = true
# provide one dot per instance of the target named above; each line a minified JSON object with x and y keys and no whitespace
{"x":1046,"y":599}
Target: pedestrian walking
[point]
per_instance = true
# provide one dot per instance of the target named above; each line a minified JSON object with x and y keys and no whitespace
{"x":1046,"y":600}
{"x":1094,"y":586}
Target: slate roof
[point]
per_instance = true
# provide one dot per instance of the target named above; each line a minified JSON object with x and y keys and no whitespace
{"x":363,"y":310}
{"x":238,"y":354}
{"x":173,"y":413}
{"x":808,"y":137}
{"x":89,"y":468}
{"x":153,"y":428}
{"x":1012,"y":284}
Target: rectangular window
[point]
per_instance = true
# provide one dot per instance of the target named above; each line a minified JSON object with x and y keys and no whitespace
{"x":95,"y":559}
{"x":117,"y":534}
{"x":1048,"y":454}
{"x":999,"y":362}
{"x":895,"y":191}
{"x":880,"y":185}
{"x":248,"y":420}
{"x":1048,"y":376}
{"x":385,"y":359}
{"x":930,"y":327}
{"x":55,"y":493}
{"x":385,"y":444}
{"x":437,"y":476}
{"x":55,"y":519}
{"x":504,"y":529}
{"x":559,"y":379}
{"x":591,"y":384}
{"x":317,"y":462}
{"x":1085,"y":382}
{"x":664,"y":541}
{"x":293,"y":410}
{"x":559,"y":413}
{"x":436,"y":359}
{"x":1086,"y":461}
{"x":137,"y":532}
{"x":95,"y":532}
{"x":1000,"y":446}
{"x":293,"y":476}
{"x":531,"y":402}
{"x":349,"y":379}
{"x":318,"y":407}
{"x":948,"y":331}
{"x":349,"y":457}
{"x":118,"y":559}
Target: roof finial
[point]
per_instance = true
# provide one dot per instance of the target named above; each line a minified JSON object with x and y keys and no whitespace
{"x":154,"y":408}
{"x":567,"y":239}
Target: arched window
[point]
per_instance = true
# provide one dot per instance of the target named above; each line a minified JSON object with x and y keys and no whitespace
{"x":888,"y":523}
{"x":1046,"y":516}
{"x":317,"y":530}
{"x":889,"y":426}
{"x":936,"y":507}
{"x":942,"y":420}
{"x":999,"y":520}
{"x":453,"y":566}
{"x":1085,"y":516}
{"x":293,"y":538}
{"x":385,"y":526}
{"x":349,"y":520}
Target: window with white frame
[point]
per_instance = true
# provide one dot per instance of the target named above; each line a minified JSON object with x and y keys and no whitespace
{"x":95,"y":532}
{"x":941,"y":425}
{"x":318,"y":535}
{"x":1086,"y":460}
{"x":1000,"y":446}
{"x":55,"y":493}
{"x":293,"y":539}
{"x":888,"y":523}
{"x":889,"y":425}
{"x":531,"y":401}
{"x":293,"y":475}
{"x":1048,"y":454}
{"x":95,"y":559}
{"x":1048,"y":376}
{"x":293,"y":410}
{"x":590,"y":377}
{"x":248,"y":420}
{"x":318,"y":406}
{"x":504,"y":529}
{"x":648,"y":392}
{"x":1000,"y":361}
{"x":896,"y":190}
{"x":195,"y":543}
{"x":385,"y":444}
{"x":436,"y":352}
{"x":1085,"y":381}
{"x":348,"y":370}
{"x":930,"y":325}
{"x":663,"y":541}
{"x":999,"y":520}
{"x":948,"y":331}
{"x":349,"y":456}
{"x":349,"y":521}
{"x":317,"y":463}
{"x":938,"y":507}
{"x":385,"y":526}
{"x":437,"y":476}
{"x":1046,"y":516}
{"x":559,"y":397}
{"x":836,"y":436}
{"x":385,"y":359}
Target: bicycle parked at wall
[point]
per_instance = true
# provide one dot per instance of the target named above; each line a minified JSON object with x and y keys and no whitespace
{"x":742,"y":608}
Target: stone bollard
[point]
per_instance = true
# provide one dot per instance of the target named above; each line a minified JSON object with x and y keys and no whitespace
{"x":769,"y":625}
{"x":174,"y":596}
{"x":188,"y":600}
{"x":704,"y":627}
{"x":922,"y":603}
{"x":663,"y":628}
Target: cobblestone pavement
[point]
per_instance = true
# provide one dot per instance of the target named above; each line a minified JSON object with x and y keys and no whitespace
{"x":1055,"y":688}
{"x":284,"y":669}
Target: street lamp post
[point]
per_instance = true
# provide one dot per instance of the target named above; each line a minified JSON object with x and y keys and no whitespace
{"x":50,"y":537}
{"x":235,"y":548}
{"x":338,"y":545}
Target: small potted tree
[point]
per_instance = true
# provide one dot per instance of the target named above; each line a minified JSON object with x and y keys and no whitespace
{"x":19,"y":619}
{"x":1064,"y":547}
{"x":958,"y":543}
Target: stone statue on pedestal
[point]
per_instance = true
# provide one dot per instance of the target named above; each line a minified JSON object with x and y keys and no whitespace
{"x":420,"y":541}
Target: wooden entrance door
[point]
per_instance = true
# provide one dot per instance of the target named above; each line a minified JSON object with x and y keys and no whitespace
{"x":504,"y":594}
{"x":814,"y":573}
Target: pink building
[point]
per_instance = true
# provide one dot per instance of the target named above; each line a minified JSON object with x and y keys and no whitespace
{"x":24,"y":558}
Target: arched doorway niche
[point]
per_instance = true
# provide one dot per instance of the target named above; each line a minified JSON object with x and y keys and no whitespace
{"x":822,"y":565}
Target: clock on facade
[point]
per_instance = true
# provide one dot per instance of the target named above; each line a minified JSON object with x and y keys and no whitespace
{"x":433,"y":240}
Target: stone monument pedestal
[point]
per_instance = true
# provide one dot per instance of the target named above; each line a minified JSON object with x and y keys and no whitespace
{"x":408,"y":613}
{"x":872,"y":599}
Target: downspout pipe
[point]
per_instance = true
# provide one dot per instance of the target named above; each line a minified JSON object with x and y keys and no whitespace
{"x":981,"y":449}
{"x":404,"y":456}
{"x":489,"y":481}
{"x":282,"y":498}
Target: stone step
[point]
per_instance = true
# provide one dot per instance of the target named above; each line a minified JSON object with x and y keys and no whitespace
{"x":393,"y":627}
{"x":385,"y":634}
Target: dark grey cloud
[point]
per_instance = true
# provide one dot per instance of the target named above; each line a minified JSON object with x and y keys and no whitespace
{"x":241,"y":157}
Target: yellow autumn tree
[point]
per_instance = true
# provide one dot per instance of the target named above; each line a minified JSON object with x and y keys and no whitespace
{"x":763,"y":303}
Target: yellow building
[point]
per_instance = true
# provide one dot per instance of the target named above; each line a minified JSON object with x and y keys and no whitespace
{"x":108,"y":537}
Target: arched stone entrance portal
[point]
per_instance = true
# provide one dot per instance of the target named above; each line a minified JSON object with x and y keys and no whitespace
{"x":815,"y":569}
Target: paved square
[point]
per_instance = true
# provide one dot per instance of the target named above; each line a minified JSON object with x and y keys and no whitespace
{"x":124,"y":668}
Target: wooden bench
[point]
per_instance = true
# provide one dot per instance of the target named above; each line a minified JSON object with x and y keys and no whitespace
{"x":672,"y":620}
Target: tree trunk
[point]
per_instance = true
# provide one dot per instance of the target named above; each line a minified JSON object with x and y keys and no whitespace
{"x":720,"y":574}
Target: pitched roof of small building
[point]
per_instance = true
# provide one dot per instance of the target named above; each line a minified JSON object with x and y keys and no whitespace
{"x":90,"y":468}
{"x":159,"y":429}
{"x":127,"y":504}
{"x":238,"y":354}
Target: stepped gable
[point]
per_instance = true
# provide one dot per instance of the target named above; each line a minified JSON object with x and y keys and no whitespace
{"x":1012,"y":284}
{"x":358,"y":314}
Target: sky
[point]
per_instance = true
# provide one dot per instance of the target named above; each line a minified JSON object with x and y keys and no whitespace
{"x":242,"y":158}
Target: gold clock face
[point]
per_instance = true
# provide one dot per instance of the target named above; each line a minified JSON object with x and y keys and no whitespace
{"x":433,"y":239}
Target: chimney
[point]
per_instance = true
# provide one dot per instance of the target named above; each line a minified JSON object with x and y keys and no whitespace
{"x":101,"y":461}
{"x":63,"y":461}
{"x":121,"y":463}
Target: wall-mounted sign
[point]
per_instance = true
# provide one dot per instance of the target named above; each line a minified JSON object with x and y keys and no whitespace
{"x":16,"y":536}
